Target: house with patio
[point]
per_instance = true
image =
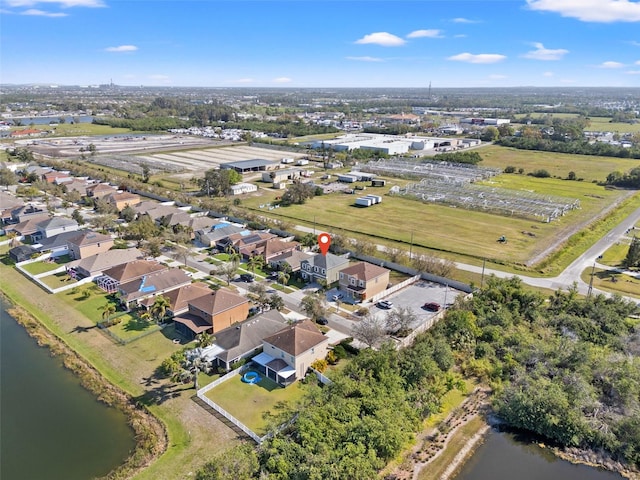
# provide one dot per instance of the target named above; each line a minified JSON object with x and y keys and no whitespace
{"x":363,"y":280}
{"x":287,"y":354}
{"x":112,"y":278}
{"x":243,"y":339}
{"x":179,"y":298}
{"x":122,"y":199}
{"x":323,"y":268}
{"x":212,"y":313}
{"x":291,"y":259}
{"x":94,"y":265}
{"x":269,"y":248}
{"x":210,"y":236}
{"x":157,"y":283}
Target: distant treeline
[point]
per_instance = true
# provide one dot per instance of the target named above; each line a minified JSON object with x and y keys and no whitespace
{"x":576,"y":147}
{"x":459,"y":157}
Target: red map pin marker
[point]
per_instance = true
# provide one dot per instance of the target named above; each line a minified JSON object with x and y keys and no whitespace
{"x":324,"y":240}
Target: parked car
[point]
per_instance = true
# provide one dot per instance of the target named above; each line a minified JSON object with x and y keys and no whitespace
{"x":432,"y":306}
{"x":385,"y":304}
{"x":247,"y":277}
{"x":322,"y":321}
{"x":336,"y":297}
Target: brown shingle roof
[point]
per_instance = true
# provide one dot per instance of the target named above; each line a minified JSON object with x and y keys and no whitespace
{"x":180,"y":297}
{"x":297,"y":338}
{"x":89,"y":237}
{"x":218,"y":301}
{"x":132,"y":270}
{"x":364,"y":271}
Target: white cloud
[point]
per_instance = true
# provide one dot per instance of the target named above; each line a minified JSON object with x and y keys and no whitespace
{"x":463,"y":20}
{"x":479,"y":58}
{"x":245,"y":80}
{"x":426,"y":33}
{"x":282,"y":80}
{"x":60,"y":3}
{"x":384,"y":39}
{"x":604,"y":11}
{"x":541,"y":53}
{"x":611,"y":65}
{"x":122,"y":48}
{"x":365,"y":59}
{"x":634,"y":43}
{"x":548,"y":74}
{"x":638,"y":62}
{"x":41,"y":13}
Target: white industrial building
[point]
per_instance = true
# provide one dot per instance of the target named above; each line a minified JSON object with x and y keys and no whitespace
{"x":240,"y":188}
{"x":389,"y":144}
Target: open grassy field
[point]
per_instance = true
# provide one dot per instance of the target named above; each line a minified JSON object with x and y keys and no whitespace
{"x":443,"y":228}
{"x":613,"y":282}
{"x":597,"y":124}
{"x":587,"y":167}
{"x":75,"y":129}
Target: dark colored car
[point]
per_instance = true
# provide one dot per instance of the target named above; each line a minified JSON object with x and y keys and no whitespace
{"x":246,"y":277}
{"x":322,"y":321}
{"x":432,"y":306}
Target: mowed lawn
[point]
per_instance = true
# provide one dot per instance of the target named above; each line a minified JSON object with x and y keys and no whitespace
{"x":248,"y":403}
{"x":444,"y":228}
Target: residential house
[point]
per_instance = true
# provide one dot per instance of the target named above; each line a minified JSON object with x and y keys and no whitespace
{"x":27,"y":132}
{"x":88,"y":243}
{"x":212,"y":313}
{"x":133,"y":292}
{"x":243,"y":339}
{"x":246,"y":240}
{"x":26,"y":212}
{"x":93,"y":266}
{"x":54,"y":226}
{"x":270,"y":248}
{"x":8,"y":203}
{"x":55,"y":176}
{"x":288,"y":354}
{"x":111,"y":279}
{"x":26,"y":227}
{"x":292,"y":259}
{"x":57,"y":245}
{"x":180,"y":297}
{"x":77,"y":185}
{"x":364,"y":280}
{"x":209,"y":237}
{"x":100,"y":190}
{"x":122,"y":199}
{"x":323,"y":268}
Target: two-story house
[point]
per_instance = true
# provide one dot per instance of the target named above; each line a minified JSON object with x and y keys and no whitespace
{"x":112,"y":278}
{"x":363,"y":280}
{"x":323,"y":268}
{"x":54,"y":226}
{"x":288,"y":354}
{"x":88,"y":243}
{"x":135,"y":291}
{"x":211,"y":313}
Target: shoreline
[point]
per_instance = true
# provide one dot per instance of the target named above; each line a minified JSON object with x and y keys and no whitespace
{"x":150,"y":434}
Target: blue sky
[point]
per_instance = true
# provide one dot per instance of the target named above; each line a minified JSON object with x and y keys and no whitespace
{"x":330,"y":43}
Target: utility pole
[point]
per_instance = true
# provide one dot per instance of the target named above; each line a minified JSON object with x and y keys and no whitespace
{"x":484,"y":262}
{"x":411,"y":247}
{"x":593,"y":269}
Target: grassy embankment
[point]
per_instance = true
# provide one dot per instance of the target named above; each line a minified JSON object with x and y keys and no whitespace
{"x":130,"y":368}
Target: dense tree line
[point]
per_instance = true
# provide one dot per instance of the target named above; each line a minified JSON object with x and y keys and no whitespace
{"x":472,"y":158}
{"x":564,"y":367}
{"x":630,"y":179}
{"x":576,"y":147}
{"x":143,"y":124}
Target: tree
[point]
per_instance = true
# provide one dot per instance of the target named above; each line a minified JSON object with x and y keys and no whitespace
{"x":399,"y":321}
{"x":181,"y":251}
{"x":152,"y":247}
{"x":255,"y":261}
{"x":238,"y":463}
{"x":204,"y":339}
{"x":228,"y":270}
{"x":490,"y":134}
{"x":108,"y":310}
{"x":216,"y":183}
{"x":297,"y":193}
{"x":159,"y":308}
{"x":7,"y":177}
{"x":633,"y":254}
{"x":370,"y":330}
{"x":276,"y":302}
{"x":260,"y":292}
{"x":128,"y":214}
{"x":77,"y":216}
{"x":146,"y":172}
{"x":283,"y":277}
{"x":313,"y":305}
{"x":102,"y":222}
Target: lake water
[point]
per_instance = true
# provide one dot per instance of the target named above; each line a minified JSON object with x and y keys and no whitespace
{"x":509,"y":456}
{"x":51,"y":427}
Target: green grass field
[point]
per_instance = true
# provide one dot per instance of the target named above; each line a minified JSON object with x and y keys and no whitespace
{"x":613,"y":282}
{"x":443,"y":228}
{"x":249,"y":403}
{"x":597,"y":124}
{"x":36,"y":268}
{"x":131,"y":327}
{"x":72,"y":130}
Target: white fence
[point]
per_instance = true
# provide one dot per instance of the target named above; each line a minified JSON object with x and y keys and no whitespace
{"x":394,"y":289}
{"x":201,"y":395}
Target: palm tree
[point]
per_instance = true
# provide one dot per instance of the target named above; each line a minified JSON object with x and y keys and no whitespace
{"x":159,"y":307}
{"x":233,"y":255}
{"x":108,"y":310}
{"x":255,"y":261}
{"x":204,"y":340}
{"x":283,"y":277}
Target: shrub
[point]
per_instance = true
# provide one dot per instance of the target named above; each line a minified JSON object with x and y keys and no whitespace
{"x":541,"y":173}
{"x":510,"y":169}
{"x":320,"y":365}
